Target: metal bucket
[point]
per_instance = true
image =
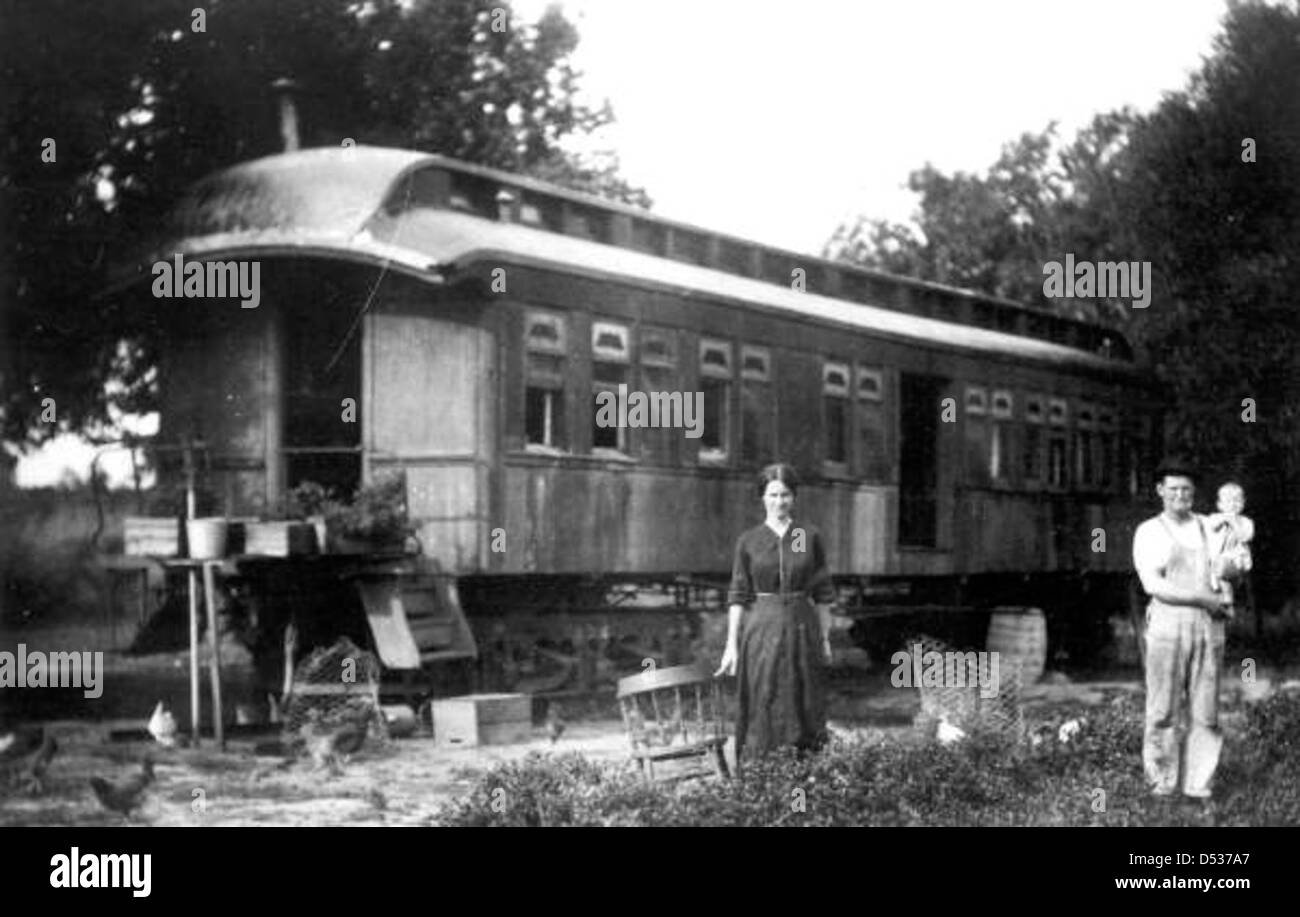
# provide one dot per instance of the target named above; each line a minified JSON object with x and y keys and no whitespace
{"x":207,"y":538}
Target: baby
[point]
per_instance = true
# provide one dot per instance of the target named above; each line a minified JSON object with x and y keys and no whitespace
{"x":1231,"y":534}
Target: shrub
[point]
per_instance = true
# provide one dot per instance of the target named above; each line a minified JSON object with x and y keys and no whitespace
{"x":1093,"y":777}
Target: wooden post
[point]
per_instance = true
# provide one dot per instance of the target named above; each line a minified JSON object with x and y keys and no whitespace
{"x":187,"y":456}
{"x":193,"y":577}
{"x":214,"y":641}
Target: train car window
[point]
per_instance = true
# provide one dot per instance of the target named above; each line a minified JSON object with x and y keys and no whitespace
{"x":610,"y":356}
{"x":715,"y":381}
{"x":1084,"y":442}
{"x":542,"y":212}
{"x":544,"y":345}
{"x":474,"y":194}
{"x":757,"y":406}
{"x":659,"y":373}
{"x":1000,"y":436}
{"x":1058,"y":468}
{"x":689,"y":246}
{"x":835,"y":412}
{"x":1140,"y":443}
{"x":873,"y":443}
{"x":1105,"y":445}
{"x":1033,"y":442}
{"x":735,"y":257}
{"x":984,"y":314}
{"x":587,"y":223}
{"x":423,"y":188}
{"x":977,"y":434}
{"x":610,"y":342}
{"x":319,"y":373}
{"x":866,"y":289}
{"x":544,"y":333}
{"x":755,"y":363}
{"x":649,"y":237}
{"x":926,"y":302}
{"x":871,"y":384}
{"x":778,"y":268}
{"x":857,"y":287}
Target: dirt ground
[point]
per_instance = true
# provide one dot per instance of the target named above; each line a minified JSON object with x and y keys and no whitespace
{"x":398,"y":782}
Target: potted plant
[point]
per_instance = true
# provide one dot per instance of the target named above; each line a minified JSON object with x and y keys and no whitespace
{"x":312,"y":503}
{"x":374,"y":521}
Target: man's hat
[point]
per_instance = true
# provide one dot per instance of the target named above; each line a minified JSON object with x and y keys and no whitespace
{"x":1177,"y":466}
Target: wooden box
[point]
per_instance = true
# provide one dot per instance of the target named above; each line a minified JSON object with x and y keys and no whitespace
{"x":280,"y":539}
{"x":482,"y":719}
{"x":151,"y":536}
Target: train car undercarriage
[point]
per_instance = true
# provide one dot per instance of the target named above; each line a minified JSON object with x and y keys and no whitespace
{"x":565,"y":635}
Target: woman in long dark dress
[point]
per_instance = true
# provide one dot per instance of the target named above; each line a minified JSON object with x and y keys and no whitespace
{"x":776,"y":644}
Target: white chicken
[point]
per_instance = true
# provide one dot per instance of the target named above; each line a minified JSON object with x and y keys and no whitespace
{"x":162,"y":726}
{"x":948,"y":733}
{"x":1069,"y":730}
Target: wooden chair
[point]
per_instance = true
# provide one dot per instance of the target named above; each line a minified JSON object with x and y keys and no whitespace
{"x":673,"y":713}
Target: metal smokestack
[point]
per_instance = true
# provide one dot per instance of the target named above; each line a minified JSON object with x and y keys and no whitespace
{"x":285,"y":89}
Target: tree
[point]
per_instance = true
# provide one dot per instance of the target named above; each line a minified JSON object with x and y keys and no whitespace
{"x":993,"y":232}
{"x":1222,"y":229}
{"x":1207,"y":189}
{"x":160,"y":96}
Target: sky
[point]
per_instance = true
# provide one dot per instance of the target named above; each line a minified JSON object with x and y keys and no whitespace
{"x":777,"y":122}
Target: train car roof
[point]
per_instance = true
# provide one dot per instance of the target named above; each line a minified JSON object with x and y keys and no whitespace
{"x":330,"y":202}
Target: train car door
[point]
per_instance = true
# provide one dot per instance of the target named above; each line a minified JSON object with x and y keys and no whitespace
{"x":918,"y":458}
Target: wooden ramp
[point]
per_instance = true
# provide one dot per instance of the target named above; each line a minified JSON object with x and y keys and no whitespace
{"x":415,"y":616}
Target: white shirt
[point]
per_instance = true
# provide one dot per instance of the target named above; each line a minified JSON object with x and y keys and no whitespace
{"x":1152,"y":544}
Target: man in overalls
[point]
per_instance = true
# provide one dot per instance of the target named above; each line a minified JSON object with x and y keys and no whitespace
{"x":1184,"y":641}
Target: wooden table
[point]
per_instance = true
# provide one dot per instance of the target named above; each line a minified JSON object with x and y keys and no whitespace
{"x":207,"y":569}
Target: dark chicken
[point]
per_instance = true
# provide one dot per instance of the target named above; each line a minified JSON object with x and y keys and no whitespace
{"x":127,"y":795}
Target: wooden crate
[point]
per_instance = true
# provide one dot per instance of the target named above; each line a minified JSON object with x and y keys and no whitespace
{"x":151,"y":536}
{"x":280,"y":539}
{"x":482,"y":719}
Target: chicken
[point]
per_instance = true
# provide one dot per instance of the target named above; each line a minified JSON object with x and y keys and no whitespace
{"x":1069,"y":730}
{"x":24,"y":756}
{"x":125,"y":796}
{"x":327,"y":746}
{"x":34,"y":779}
{"x":948,"y":733}
{"x":349,"y":738}
{"x":162,"y":726}
{"x":19,"y":743}
{"x":555,"y":724}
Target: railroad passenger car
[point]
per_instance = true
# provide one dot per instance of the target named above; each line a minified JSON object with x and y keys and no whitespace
{"x":958,"y":450}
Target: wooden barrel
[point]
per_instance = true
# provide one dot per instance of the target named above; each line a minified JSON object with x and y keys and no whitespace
{"x":1019,"y":634}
